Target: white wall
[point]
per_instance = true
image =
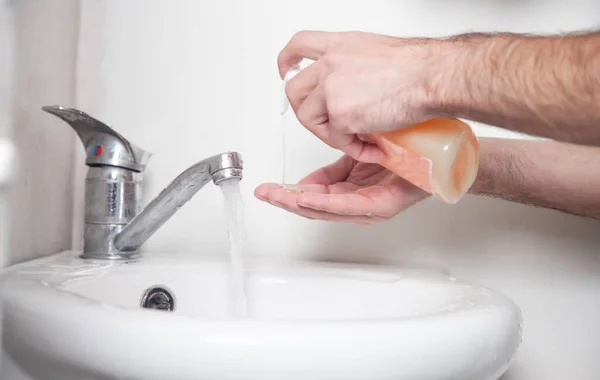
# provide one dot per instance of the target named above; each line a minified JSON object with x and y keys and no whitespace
{"x":44,"y":72}
{"x":6,"y":66}
{"x":6,"y":70}
{"x":37,"y":62}
{"x":189,"y":79}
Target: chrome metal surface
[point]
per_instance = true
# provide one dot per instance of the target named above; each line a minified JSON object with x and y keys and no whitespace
{"x":115,"y":224}
{"x":171,"y":199}
{"x":158,"y":298}
{"x":98,"y":242}
{"x":113,"y":195}
{"x":228,"y":173}
{"x":103,"y":145}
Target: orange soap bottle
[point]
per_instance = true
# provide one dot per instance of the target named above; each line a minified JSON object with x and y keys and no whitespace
{"x":441,"y":156}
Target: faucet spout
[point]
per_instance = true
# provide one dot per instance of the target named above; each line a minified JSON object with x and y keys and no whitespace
{"x":217,"y":168}
{"x":115,"y":224}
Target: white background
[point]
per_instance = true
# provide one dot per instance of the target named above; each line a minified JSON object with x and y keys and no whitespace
{"x":189,"y":79}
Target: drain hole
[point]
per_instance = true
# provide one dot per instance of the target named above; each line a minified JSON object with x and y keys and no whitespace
{"x":158,"y":298}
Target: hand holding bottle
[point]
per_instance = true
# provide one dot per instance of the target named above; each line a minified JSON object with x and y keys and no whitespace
{"x":360,"y":83}
{"x":361,"y":92}
{"x":375,"y":86}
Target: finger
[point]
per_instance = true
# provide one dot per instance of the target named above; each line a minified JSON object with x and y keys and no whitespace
{"x":345,"y":204}
{"x":366,"y":138}
{"x":330,"y":174}
{"x":300,"y":86}
{"x":305,"y":44}
{"x":322,"y":215}
{"x":356,"y":148}
{"x":312,"y":114}
{"x":266,"y":191}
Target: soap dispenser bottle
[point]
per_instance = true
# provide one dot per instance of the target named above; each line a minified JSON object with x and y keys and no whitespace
{"x":440,"y":155}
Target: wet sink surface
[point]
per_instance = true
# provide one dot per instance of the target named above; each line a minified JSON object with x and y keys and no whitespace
{"x":305,"y":321}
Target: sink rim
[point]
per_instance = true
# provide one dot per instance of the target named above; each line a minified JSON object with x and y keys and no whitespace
{"x":28,"y":282}
{"x":461,"y":342}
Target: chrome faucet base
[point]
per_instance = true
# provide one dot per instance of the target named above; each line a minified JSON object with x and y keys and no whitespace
{"x":119,"y":256}
{"x":115,"y":223}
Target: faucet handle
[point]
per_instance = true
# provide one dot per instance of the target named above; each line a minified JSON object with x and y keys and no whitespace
{"x":103,"y":145}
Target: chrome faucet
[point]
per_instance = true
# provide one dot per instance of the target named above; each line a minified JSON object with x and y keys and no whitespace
{"x":115,"y":224}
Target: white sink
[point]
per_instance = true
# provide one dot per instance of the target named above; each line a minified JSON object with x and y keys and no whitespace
{"x":66,"y":318}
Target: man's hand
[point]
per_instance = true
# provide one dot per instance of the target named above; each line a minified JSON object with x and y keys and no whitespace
{"x":542,"y":173}
{"x":360,"y":83}
{"x":346,"y":191}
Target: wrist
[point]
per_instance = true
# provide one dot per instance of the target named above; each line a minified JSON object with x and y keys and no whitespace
{"x":450,"y":85}
{"x":499,"y":171}
{"x":423,"y":62}
{"x":461,"y":78}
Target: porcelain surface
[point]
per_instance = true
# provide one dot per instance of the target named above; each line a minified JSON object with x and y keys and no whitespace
{"x":67,"y":318}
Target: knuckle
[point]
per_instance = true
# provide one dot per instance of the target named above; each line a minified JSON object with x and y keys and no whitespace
{"x":331,"y":59}
{"x":342,"y":108}
{"x":299,"y":36}
{"x":349,"y":35}
{"x":336,"y":115}
{"x":356,"y":35}
{"x":335,"y":104}
{"x":340,"y":38}
{"x":337,"y":112}
{"x":291,"y":92}
{"x":302,"y":117}
{"x":293,"y":87}
{"x":281,"y":60}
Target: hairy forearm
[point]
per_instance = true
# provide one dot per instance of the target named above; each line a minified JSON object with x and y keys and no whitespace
{"x":544,"y":86}
{"x":548,"y":174}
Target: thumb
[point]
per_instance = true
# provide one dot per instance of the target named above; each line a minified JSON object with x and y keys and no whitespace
{"x":361,"y":151}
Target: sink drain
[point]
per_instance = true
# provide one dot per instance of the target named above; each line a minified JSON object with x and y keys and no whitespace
{"x":158,"y":298}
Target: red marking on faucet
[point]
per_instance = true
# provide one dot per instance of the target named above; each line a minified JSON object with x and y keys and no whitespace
{"x":97,"y":150}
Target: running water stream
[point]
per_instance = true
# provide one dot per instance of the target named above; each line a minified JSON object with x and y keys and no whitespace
{"x":236,"y":228}
{"x":234,"y":215}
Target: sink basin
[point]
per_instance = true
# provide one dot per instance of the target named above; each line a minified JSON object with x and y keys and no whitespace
{"x":67,"y":318}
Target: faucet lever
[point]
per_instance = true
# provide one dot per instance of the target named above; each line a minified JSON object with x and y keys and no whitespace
{"x":116,"y":224}
{"x":102,"y":144}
